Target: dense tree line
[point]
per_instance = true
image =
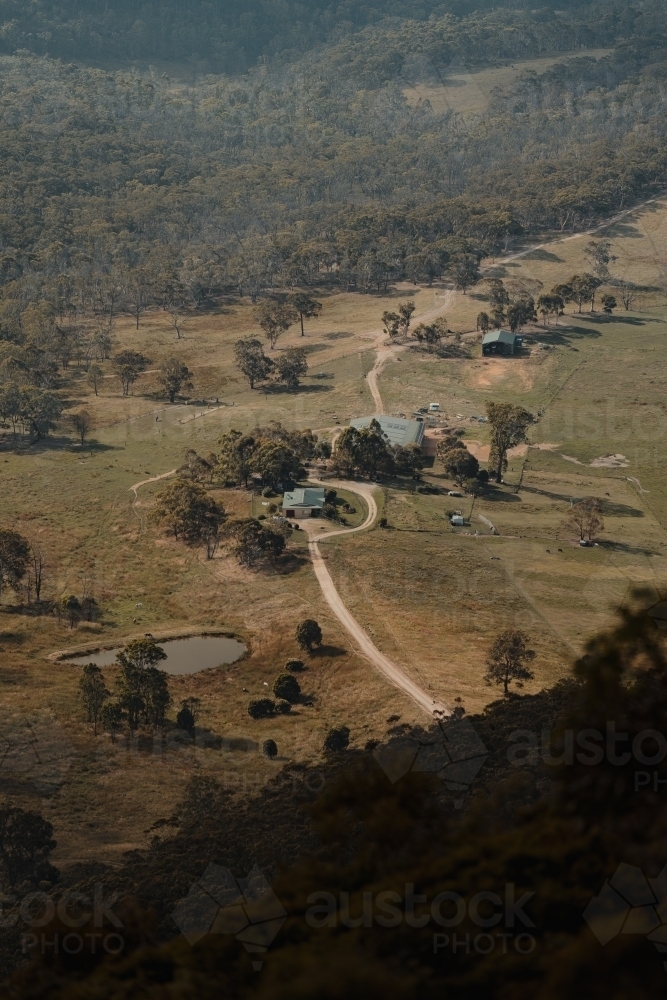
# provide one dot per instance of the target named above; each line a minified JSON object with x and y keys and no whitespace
{"x":148,"y":192}
{"x":224,"y":37}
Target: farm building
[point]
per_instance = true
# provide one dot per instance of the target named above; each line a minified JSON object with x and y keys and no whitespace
{"x":501,"y":342}
{"x":395,"y":429}
{"x":307,"y":502}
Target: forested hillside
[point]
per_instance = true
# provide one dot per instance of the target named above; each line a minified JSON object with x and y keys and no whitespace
{"x":225,"y":36}
{"x":122,"y":190}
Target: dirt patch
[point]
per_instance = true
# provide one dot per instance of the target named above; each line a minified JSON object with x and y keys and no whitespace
{"x":610,"y":462}
{"x":495,"y":371}
{"x":481,"y":451}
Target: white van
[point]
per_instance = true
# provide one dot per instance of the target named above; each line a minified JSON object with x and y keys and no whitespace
{"x":434,"y":407}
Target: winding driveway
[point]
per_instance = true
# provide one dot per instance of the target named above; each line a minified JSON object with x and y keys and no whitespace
{"x":393,"y":673}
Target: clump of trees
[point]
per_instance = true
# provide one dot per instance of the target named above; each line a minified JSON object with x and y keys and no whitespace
{"x":253,"y":364}
{"x":142,"y":688}
{"x":367,"y":452}
{"x":509,"y":424}
{"x":26,"y":841}
{"x":252,"y":542}
{"x":22,"y":565}
{"x":508,"y":658}
{"x":94,"y":693}
{"x":585,"y":518}
{"x":271,"y":453}
{"x":397,"y":324}
{"x":457,"y":461}
{"x":188,"y":512}
{"x":129,"y":366}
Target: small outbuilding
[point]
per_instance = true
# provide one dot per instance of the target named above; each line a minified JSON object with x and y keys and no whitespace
{"x":501,"y":342}
{"x":306,"y":502}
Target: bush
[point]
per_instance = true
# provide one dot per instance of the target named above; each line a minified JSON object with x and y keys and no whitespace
{"x":267,"y":491}
{"x":337,"y":739}
{"x":269,"y":748}
{"x":330,"y":496}
{"x":286,"y":686}
{"x":283,"y":708}
{"x":382,"y":522}
{"x":261,"y":517}
{"x":261,"y":708}
{"x":295,"y":666}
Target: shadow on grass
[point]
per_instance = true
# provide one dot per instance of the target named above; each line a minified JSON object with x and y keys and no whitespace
{"x":544,"y":255}
{"x":282,"y":390}
{"x":37,"y":610}
{"x":498,"y":496}
{"x":327,"y":650}
{"x":634,"y":550}
{"x":23,"y":446}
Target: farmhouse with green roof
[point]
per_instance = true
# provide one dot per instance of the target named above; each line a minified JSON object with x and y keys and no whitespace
{"x":306,"y":502}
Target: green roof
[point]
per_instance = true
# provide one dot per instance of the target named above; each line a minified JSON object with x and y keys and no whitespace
{"x":311,"y":496}
{"x":499,"y":337}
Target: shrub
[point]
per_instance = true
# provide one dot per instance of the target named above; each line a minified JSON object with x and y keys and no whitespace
{"x":382,"y":522}
{"x":337,"y":739}
{"x":330,"y":496}
{"x":283,"y":708}
{"x":295,"y":666}
{"x":267,"y":491}
{"x":286,"y":686}
{"x":261,"y":708}
{"x":269,"y":748}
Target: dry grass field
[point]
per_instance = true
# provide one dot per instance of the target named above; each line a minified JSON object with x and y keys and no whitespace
{"x":432,"y":598}
{"x":468,"y":93}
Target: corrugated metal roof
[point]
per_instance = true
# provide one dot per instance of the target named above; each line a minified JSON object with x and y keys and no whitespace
{"x":398,"y":431}
{"x":499,"y":337}
{"x":311,"y":496}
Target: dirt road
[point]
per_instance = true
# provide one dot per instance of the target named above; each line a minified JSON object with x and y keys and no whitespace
{"x":395,"y":674}
{"x":389,"y":352}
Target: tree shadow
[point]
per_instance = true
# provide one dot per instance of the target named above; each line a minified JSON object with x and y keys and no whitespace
{"x":327,"y":650}
{"x":544,"y":255}
{"x":313,"y":348}
{"x":611,"y":509}
{"x":281,"y":390}
{"x":289,"y":563}
{"x":22,"y":446}
{"x":498,"y":496}
{"x":338,"y":336}
{"x":634,"y":550}
{"x":603,"y":319}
